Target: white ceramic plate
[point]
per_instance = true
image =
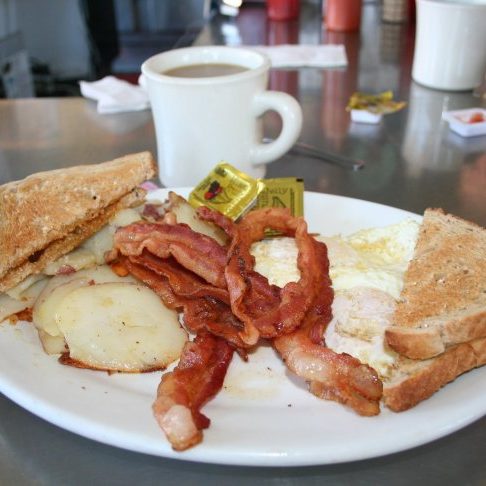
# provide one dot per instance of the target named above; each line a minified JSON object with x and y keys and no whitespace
{"x":263,"y":416}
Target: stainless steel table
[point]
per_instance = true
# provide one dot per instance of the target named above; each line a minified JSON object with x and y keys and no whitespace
{"x":412,"y":161}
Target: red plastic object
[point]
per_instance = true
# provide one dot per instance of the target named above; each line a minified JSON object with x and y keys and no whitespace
{"x":283,"y":9}
{"x":343,"y":15}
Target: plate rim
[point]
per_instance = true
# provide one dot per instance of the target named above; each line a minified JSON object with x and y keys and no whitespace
{"x":72,"y":422}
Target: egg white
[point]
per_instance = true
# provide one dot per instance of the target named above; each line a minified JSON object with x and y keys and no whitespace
{"x":367,"y":270}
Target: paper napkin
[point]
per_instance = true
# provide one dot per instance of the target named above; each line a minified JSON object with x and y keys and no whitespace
{"x":114,"y":95}
{"x":287,"y":55}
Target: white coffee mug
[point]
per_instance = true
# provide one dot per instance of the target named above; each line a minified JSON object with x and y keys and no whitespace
{"x":450,"y":44}
{"x":201,"y":121}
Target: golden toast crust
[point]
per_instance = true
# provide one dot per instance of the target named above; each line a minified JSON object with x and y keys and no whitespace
{"x":42,"y":209}
{"x":443,"y":301}
{"x":60,"y":247}
{"x":419,"y":380}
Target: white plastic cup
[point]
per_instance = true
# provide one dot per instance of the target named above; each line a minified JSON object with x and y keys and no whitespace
{"x":450,"y":44}
{"x":200,"y":122}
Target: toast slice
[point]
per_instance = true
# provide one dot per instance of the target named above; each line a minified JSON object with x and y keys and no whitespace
{"x":50,"y":213}
{"x":417,"y":380}
{"x":443,"y":302}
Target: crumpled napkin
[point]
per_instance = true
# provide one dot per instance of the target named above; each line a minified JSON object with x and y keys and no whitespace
{"x":301,"y":55}
{"x":115,"y":95}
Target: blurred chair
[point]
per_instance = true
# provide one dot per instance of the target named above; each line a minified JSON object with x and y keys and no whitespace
{"x":15,"y":74}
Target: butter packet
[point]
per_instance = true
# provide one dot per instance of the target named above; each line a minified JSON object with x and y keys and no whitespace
{"x":227,"y":190}
{"x":284,"y":192}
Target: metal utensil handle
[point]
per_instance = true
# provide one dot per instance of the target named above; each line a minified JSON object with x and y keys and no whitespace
{"x":330,"y":157}
{"x":341,"y":160}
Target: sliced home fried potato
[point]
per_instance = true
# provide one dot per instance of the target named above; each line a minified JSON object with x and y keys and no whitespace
{"x":102,"y":241}
{"x":10,"y":306}
{"x":185,"y":213}
{"x":16,"y":292}
{"x":76,"y":259}
{"x":45,"y":307}
{"x":125,"y":217}
{"x":31,"y":294}
{"x":52,"y":344}
{"x":44,"y":311}
{"x":23,"y":300}
{"x":119,"y":326}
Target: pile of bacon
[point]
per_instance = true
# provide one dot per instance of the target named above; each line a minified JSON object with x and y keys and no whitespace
{"x":230,"y":307}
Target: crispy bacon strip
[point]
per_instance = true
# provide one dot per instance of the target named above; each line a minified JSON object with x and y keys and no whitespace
{"x":219,"y":219}
{"x":201,"y":310}
{"x":152,"y":211}
{"x":174,"y":260}
{"x":194,"y":251}
{"x":183,"y":282}
{"x":216,"y":317}
{"x":332,"y":376}
{"x":158,"y":284}
{"x":320,"y":313}
{"x":181,"y":394}
{"x":267,"y":310}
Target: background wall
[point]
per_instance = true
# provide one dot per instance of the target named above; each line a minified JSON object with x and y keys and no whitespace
{"x":54,"y":33}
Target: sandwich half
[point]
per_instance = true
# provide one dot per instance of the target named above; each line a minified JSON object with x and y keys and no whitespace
{"x":48,"y":214}
{"x":443,"y":302}
{"x":56,"y":228}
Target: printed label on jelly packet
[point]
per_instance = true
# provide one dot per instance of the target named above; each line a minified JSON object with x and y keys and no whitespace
{"x":227,"y":190}
{"x":285,"y":192}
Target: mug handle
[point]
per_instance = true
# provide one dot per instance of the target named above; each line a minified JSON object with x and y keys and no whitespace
{"x":291,"y":113}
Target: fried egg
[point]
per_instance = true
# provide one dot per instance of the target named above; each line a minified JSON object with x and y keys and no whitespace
{"x":367,"y":270}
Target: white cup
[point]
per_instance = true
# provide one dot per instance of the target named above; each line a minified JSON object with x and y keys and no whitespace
{"x":450,"y":44}
{"x":202,"y":121}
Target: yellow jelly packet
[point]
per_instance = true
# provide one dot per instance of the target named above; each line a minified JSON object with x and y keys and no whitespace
{"x":381,"y":103}
{"x":227,"y":190}
{"x":284,"y":192}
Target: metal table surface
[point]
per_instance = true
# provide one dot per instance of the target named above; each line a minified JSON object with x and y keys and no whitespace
{"x":412,"y":161}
